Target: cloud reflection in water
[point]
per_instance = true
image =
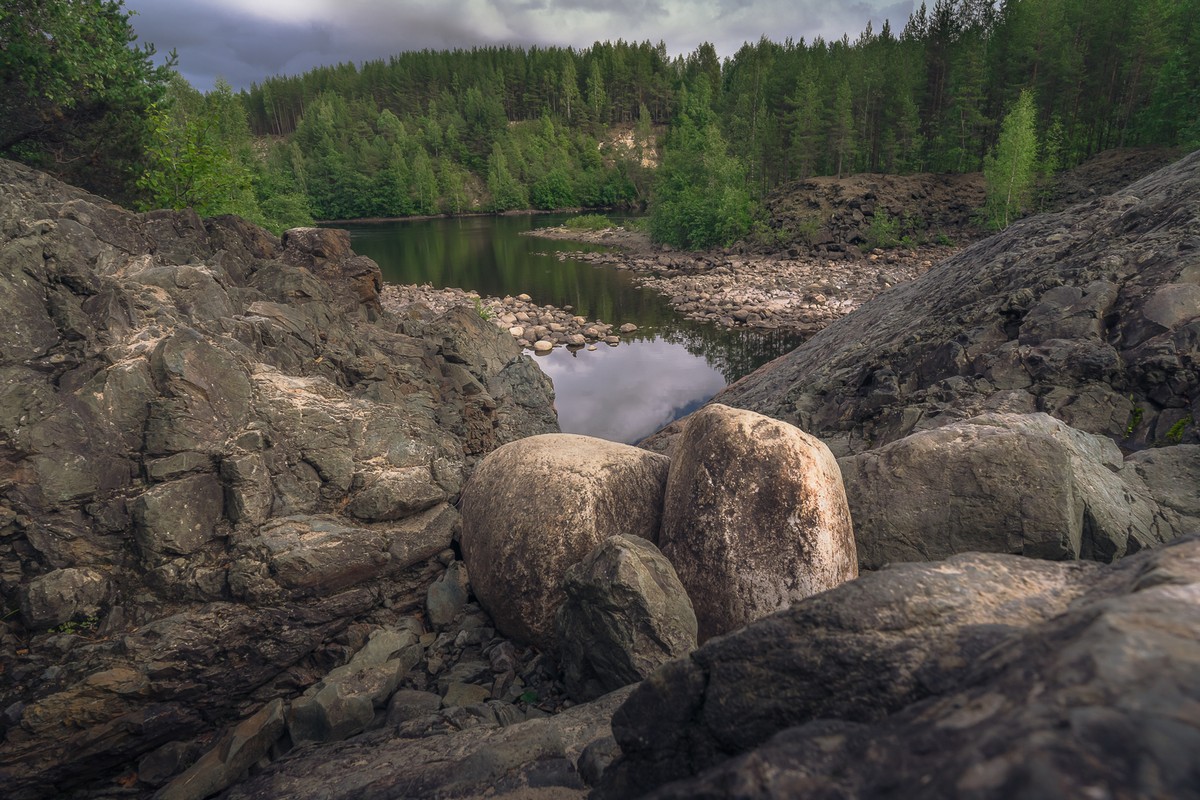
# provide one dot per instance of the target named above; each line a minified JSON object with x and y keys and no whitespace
{"x":625,"y":393}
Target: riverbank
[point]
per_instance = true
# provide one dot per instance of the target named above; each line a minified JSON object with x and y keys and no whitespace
{"x":538,"y":328}
{"x":776,"y":291}
{"x":779,"y":291}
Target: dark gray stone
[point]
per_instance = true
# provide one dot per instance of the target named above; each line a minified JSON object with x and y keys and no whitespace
{"x":447,"y":595}
{"x":624,"y":615}
{"x":231,"y":759}
{"x":1090,"y":701}
{"x":178,"y":517}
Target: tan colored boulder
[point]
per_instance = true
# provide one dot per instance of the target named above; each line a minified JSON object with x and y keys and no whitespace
{"x":1025,"y":484}
{"x":755,"y":517}
{"x":537,"y":506}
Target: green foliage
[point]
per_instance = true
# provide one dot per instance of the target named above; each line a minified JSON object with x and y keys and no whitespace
{"x":1010,"y":170}
{"x":700,"y":198}
{"x":929,"y":97}
{"x":884,"y":231}
{"x":77,"y":96}
{"x":589,"y":222}
{"x":1175,"y":433}
{"x":199,"y":154}
{"x":77,"y":627}
{"x":1135,"y":419}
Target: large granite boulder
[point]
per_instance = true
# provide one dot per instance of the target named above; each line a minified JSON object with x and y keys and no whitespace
{"x":535,"y":507}
{"x":625,"y":614}
{"x":985,"y":675}
{"x":1006,"y":483}
{"x":217,"y":455}
{"x":1088,"y":315}
{"x":755,"y":517}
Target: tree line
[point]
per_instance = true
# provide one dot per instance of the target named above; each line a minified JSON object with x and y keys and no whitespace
{"x":498,"y":128}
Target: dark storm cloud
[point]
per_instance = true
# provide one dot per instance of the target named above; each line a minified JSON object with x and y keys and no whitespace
{"x":244,"y":42}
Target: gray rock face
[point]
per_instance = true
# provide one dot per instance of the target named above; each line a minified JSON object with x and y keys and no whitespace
{"x":755,"y":517}
{"x":447,"y":595}
{"x":625,"y":614}
{"x":1076,"y":681}
{"x":344,"y":702}
{"x":1060,"y":698}
{"x":62,"y":595}
{"x":232,"y":758}
{"x":535,"y":507}
{"x":217,"y":452}
{"x":536,"y":758}
{"x":1172,"y":475}
{"x":1087,"y":315}
{"x":1007,"y":483}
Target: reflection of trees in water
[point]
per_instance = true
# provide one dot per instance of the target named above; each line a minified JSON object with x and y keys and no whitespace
{"x":733,"y":353}
{"x":488,"y":255}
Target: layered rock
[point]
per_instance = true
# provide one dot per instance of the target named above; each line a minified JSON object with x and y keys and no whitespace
{"x":755,"y":517}
{"x":535,"y":507}
{"x":535,"y":758}
{"x":217,"y":453}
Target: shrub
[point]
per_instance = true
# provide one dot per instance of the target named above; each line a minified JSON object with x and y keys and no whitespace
{"x":589,"y":222}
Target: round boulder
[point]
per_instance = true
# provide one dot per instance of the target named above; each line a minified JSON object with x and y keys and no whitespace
{"x":537,"y":506}
{"x":755,"y":517}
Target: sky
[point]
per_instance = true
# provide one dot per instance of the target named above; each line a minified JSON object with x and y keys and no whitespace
{"x":244,"y":42}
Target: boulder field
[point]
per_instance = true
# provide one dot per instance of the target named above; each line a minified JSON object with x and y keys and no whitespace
{"x":231,"y":532}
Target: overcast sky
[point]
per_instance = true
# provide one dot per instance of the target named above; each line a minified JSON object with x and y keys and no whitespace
{"x":244,"y":42}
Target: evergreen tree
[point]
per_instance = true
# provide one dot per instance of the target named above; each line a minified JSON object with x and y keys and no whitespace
{"x":699,"y":197}
{"x":78,"y":98}
{"x":507,"y":193}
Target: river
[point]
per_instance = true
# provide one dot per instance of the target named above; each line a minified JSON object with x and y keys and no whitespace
{"x":668,"y":368}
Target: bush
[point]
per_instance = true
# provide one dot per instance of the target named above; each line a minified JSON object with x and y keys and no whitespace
{"x":589,"y":222}
{"x":884,"y":231}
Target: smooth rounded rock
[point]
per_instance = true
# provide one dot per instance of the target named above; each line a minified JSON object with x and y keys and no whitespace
{"x":537,"y":506}
{"x":755,"y":517}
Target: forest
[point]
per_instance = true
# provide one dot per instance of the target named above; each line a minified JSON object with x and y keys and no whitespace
{"x":695,"y":137}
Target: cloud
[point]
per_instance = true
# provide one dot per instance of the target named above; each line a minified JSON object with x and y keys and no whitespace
{"x":245,"y":42}
{"x":625,"y":393}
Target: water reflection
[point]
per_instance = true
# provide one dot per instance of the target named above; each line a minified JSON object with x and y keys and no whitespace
{"x":628,"y":392}
{"x":667,"y":369}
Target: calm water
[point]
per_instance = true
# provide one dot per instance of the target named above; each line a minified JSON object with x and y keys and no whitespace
{"x":667,"y":369}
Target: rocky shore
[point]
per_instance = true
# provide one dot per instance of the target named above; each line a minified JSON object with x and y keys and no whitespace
{"x":791,"y":291}
{"x":534,"y":327}
{"x":771,"y":292}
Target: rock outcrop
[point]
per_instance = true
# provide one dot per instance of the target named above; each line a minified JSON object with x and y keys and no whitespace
{"x":218,"y":454}
{"x":1089,"y":315}
{"x":536,"y":758}
{"x":755,"y":517}
{"x":536,"y":507}
{"x":989,"y":675}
